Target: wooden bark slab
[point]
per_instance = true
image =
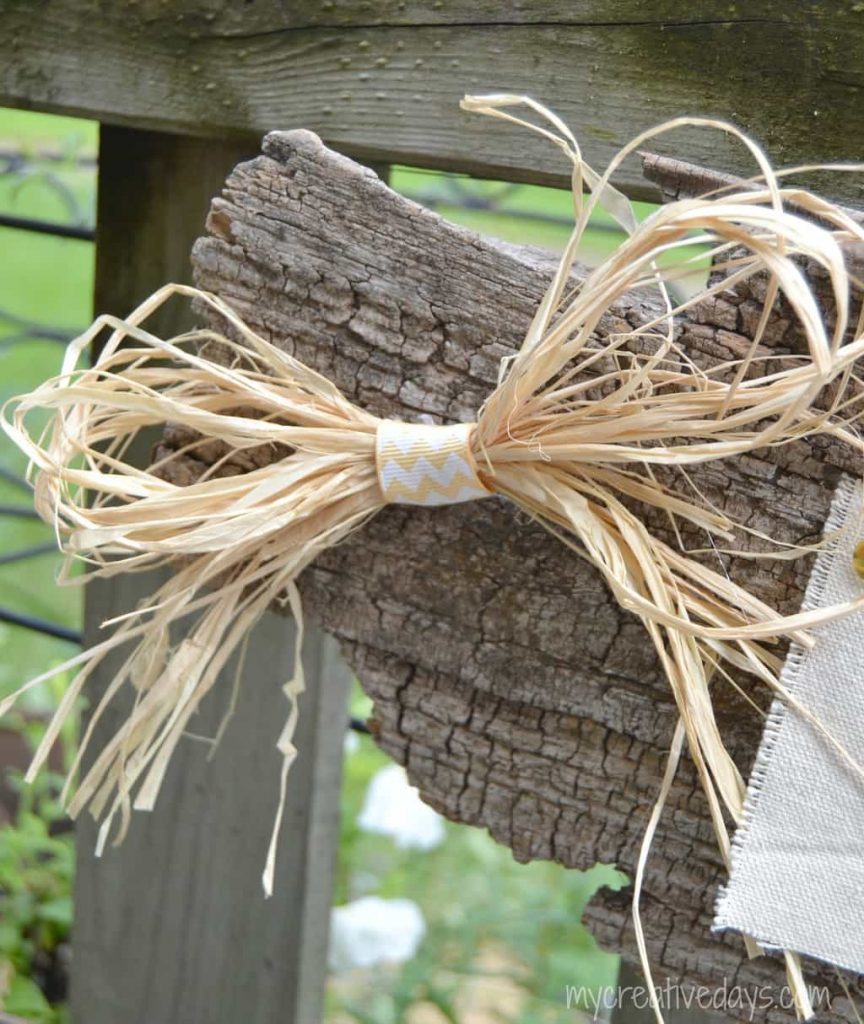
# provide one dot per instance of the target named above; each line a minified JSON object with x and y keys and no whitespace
{"x":505,"y":677}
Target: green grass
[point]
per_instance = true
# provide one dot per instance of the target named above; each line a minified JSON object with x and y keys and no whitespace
{"x":50,"y":281}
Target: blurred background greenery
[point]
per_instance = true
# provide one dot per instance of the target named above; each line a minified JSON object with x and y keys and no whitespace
{"x":501,"y":939}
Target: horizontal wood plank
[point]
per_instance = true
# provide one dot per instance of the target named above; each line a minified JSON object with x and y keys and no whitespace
{"x":383,"y":80}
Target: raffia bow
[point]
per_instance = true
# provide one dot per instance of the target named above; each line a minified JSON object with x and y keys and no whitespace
{"x":572,"y":435}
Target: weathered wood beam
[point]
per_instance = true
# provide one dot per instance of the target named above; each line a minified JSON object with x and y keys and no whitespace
{"x":382,"y":80}
{"x":173,"y":925}
{"x":680,"y":179}
{"x":506,"y":678}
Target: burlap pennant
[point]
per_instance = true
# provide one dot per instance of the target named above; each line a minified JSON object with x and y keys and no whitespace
{"x":797,"y":879}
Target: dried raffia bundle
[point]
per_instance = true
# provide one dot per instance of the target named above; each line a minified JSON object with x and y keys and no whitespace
{"x":573,"y":434}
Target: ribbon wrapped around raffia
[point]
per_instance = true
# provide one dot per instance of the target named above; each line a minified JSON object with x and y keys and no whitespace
{"x":571,"y":435}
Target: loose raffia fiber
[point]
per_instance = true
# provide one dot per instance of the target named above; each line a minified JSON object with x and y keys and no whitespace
{"x":571,"y":435}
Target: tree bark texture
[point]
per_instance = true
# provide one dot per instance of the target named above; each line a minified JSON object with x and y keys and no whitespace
{"x":505,"y":677}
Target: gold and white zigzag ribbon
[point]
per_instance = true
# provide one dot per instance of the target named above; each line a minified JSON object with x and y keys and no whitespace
{"x":422,"y":464}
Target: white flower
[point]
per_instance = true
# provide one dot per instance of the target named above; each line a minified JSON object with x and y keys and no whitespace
{"x":393,"y":808}
{"x":350,"y":743}
{"x":372,"y":931}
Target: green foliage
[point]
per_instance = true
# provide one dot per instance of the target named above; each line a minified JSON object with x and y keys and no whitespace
{"x":36,"y":875}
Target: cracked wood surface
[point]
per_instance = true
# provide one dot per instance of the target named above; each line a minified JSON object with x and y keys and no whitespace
{"x":505,"y":677}
{"x":382,"y":79}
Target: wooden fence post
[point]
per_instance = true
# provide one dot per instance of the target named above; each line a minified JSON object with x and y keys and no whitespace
{"x":172,"y":927}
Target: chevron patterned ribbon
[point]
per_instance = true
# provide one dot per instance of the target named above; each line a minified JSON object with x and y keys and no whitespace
{"x":422,"y":464}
